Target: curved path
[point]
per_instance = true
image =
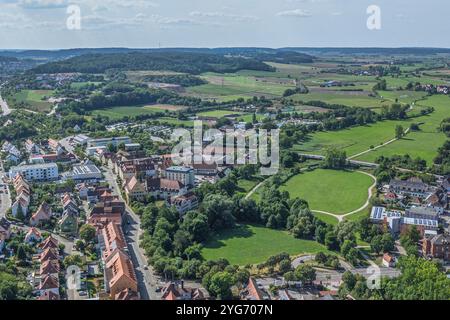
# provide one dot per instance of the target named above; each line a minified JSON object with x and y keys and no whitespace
{"x":341,"y":217}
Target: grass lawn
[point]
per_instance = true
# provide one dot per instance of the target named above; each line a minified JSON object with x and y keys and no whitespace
{"x":34,"y":98}
{"x":250,"y":244}
{"x":332,"y":191}
{"x":358,"y":215}
{"x":326,"y":218}
{"x":245,"y":186}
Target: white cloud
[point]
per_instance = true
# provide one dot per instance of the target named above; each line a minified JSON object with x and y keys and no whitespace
{"x":299,"y":13}
{"x":42,"y":4}
{"x":216,"y":14}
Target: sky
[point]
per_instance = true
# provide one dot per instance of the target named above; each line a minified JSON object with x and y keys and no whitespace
{"x":53,"y":24}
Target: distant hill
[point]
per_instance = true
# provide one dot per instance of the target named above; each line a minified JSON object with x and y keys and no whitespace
{"x":179,"y":61}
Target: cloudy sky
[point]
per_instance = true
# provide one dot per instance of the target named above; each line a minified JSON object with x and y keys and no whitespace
{"x":42,"y":24}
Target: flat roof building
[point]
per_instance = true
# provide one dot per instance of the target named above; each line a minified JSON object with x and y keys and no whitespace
{"x":36,"y":172}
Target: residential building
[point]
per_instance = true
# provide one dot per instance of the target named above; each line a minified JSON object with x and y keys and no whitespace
{"x":437,"y":247}
{"x":160,"y":188}
{"x":81,"y":139}
{"x":48,"y":243}
{"x":31,"y":147}
{"x":422,"y":213}
{"x":50,"y":267}
{"x":106,"y":212}
{"x":119,"y":274}
{"x":33,"y":236}
{"x":253,"y":292}
{"x":68,"y":224}
{"x":183,"y":174}
{"x":413,"y":187}
{"x":49,"y":285}
{"x":42,"y":215}
{"x":183,"y":203}
{"x":177,"y":291}
{"x":135,"y":190}
{"x":36,"y":172}
{"x":103,"y":142}
{"x":111,"y":238}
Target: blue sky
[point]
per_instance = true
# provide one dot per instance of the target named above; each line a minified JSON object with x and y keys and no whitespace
{"x":41,"y":24}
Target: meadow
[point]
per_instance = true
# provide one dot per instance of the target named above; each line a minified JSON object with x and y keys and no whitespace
{"x":423,"y":143}
{"x":251,"y":244}
{"x":34,"y":98}
{"x":119,"y":112}
{"x":333,"y":191}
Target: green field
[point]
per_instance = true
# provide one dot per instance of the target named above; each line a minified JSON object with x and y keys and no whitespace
{"x":34,"y":98}
{"x":251,"y":244}
{"x":217,"y":113}
{"x":226,"y":87}
{"x":326,"y":218}
{"x":332,"y":191}
{"x":346,"y":98}
{"x":353,"y":140}
{"x":115,"y":113}
{"x":423,"y":143}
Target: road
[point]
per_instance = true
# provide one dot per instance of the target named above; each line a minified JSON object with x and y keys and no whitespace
{"x":148,"y":281}
{"x":333,"y":276}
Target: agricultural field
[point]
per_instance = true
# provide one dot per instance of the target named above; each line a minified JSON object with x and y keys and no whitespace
{"x":251,"y":244}
{"x":218,"y":113}
{"x":348,"y":98}
{"x":115,"y":113}
{"x":226,"y":87}
{"x":35,"y":99}
{"x":333,"y":191}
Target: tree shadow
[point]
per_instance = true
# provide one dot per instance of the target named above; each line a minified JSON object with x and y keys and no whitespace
{"x":218,"y":240}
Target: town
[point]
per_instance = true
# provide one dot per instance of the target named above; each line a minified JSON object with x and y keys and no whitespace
{"x":226,"y":153}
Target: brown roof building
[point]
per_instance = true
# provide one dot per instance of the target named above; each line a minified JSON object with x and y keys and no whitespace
{"x":120,"y":274}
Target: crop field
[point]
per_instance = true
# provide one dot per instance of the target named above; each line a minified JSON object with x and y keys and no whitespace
{"x":333,"y":191}
{"x":250,"y":244}
{"x":226,"y":87}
